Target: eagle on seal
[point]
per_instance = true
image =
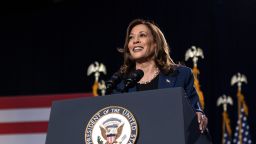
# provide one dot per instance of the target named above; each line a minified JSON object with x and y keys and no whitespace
{"x":111,"y":134}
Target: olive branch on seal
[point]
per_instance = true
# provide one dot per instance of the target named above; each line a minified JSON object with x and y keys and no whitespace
{"x":99,"y":140}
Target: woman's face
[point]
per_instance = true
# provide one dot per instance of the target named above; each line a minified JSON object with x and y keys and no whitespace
{"x":141,"y":44}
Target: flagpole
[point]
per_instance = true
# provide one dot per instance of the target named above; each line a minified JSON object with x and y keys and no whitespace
{"x":239,"y":113}
{"x":226,"y":129}
{"x":239,"y":79}
{"x":223,"y":127}
{"x":194,"y":53}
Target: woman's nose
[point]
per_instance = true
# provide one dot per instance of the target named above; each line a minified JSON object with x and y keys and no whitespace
{"x":136,"y":40}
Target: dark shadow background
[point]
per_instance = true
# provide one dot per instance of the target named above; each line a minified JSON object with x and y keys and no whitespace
{"x":46,"y":46}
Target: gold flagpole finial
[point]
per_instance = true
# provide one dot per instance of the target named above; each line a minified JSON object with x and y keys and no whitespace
{"x":96,"y":68}
{"x":224,"y":101}
{"x":194,"y":53}
{"x":238,"y":79}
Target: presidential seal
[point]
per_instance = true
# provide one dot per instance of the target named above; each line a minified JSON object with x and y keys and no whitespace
{"x":111,"y":125}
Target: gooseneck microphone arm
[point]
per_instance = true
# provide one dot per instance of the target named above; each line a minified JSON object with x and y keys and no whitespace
{"x":132,"y":79}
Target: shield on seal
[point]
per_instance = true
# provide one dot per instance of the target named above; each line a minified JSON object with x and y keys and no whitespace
{"x":111,"y":138}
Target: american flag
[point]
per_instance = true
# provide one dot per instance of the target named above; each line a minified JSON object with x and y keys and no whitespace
{"x":24,"y":119}
{"x":242,"y":130}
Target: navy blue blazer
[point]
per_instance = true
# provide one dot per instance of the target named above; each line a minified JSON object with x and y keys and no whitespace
{"x":181,"y":77}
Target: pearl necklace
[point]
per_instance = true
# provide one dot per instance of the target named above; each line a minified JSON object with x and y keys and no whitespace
{"x":153,"y":77}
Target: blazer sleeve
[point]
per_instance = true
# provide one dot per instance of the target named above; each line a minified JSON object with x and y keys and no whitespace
{"x":191,"y":91}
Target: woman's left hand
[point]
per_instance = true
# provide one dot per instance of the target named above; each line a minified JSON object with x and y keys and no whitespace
{"x":202,"y":120}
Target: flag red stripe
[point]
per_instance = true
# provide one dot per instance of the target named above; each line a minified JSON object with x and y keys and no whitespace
{"x":36,"y":101}
{"x":23,"y":127}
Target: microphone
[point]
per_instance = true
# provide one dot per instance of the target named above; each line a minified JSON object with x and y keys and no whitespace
{"x":132,"y":79}
{"x":112,"y":83}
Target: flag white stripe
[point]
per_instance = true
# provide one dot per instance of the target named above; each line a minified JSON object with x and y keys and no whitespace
{"x":23,"y":139}
{"x":24,"y":115}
